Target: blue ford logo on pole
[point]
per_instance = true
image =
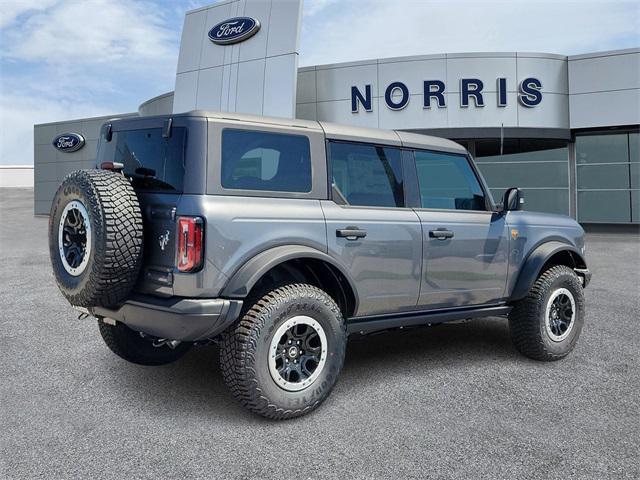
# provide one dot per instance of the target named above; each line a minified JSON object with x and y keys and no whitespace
{"x":234,"y":30}
{"x":68,"y":142}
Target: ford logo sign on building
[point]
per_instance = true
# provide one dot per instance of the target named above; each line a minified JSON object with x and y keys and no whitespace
{"x":234,"y":30}
{"x":68,"y":142}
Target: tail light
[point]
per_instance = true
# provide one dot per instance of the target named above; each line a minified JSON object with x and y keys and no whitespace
{"x":190,"y":243}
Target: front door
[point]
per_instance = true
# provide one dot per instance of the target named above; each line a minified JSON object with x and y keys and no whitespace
{"x":369,"y":230}
{"x":465,"y":245}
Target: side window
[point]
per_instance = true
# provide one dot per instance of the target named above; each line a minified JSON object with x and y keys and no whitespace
{"x":253,"y":160}
{"x":448,"y":181}
{"x":367,"y":175}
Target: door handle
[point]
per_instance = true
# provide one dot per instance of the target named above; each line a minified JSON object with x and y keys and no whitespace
{"x":441,"y":234}
{"x":351,"y":233}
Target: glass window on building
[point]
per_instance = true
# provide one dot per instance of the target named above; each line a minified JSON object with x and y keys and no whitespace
{"x":607,"y":177}
{"x":539,"y":166}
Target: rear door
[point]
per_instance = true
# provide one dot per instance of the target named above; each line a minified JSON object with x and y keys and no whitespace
{"x":369,"y":229}
{"x":465,"y":244}
{"x":154,"y":160}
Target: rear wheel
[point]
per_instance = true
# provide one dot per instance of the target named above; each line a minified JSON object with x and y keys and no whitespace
{"x":546,"y":324}
{"x":136,"y":347}
{"x":282,"y":359}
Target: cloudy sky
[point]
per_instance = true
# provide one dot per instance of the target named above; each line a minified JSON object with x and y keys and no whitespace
{"x":65,"y":59}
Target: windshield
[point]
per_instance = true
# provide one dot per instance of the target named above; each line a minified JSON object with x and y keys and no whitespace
{"x":150,"y":161}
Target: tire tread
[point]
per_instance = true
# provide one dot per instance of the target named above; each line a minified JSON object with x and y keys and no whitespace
{"x":524,"y":319}
{"x":118,"y":225}
{"x":238,"y":346}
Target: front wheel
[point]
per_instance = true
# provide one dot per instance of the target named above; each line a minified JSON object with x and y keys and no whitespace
{"x":282,"y":359}
{"x":546,"y":324}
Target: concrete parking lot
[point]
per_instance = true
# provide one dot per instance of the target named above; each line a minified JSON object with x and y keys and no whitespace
{"x":455,"y":401}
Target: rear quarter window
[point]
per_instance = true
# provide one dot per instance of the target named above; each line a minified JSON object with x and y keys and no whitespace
{"x":150,"y":161}
{"x":265,"y":161}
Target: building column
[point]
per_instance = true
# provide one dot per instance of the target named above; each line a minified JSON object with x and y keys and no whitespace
{"x":573,"y":190}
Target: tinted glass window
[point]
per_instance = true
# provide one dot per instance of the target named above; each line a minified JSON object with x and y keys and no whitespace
{"x":447,"y":181}
{"x":602,"y":148}
{"x":150,"y":161}
{"x":539,"y":166}
{"x":521,"y":150}
{"x":254,"y":160}
{"x":367,"y":175}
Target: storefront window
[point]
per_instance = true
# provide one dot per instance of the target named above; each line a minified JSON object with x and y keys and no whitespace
{"x":540,"y":167}
{"x":608,"y":177}
{"x":602,"y":149}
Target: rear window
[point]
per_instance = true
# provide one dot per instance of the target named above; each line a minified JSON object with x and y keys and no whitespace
{"x":150,"y":161}
{"x":274,"y":162}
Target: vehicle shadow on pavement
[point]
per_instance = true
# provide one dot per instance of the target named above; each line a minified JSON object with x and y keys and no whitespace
{"x":448,"y":343}
{"x":194,"y":385}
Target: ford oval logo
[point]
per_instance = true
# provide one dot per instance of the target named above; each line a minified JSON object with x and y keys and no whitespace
{"x":69,"y":142}
{"x":234,"y":30}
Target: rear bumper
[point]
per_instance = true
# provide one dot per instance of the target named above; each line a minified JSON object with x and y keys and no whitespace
{"x":184,"y":319}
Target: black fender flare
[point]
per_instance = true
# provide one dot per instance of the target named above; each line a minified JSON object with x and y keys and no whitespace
{"x":243,"y":280}
{"x":536,"y":260}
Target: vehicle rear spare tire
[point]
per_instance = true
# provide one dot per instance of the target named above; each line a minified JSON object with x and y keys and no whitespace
{"x":95,"y":238}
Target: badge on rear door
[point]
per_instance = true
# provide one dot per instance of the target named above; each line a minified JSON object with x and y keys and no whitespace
{"x":163,"y":240}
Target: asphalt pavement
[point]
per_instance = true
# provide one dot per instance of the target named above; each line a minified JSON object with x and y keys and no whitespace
{"x":454,"y":401}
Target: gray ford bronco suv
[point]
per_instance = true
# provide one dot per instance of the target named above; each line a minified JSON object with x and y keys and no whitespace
{"x":278,"y":238}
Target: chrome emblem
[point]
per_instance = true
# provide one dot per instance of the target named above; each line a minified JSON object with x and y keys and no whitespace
{"x":234,"y":30}
{"x":68,"y":142}
{"x":163,"y":240}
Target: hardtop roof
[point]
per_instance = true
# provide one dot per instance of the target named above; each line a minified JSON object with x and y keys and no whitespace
{"x":335,"y":131}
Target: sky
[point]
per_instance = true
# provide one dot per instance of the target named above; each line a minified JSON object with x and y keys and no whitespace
{"x":66,"y":59}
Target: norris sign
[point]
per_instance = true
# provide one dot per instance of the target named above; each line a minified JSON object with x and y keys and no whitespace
{"x":396,"y":95}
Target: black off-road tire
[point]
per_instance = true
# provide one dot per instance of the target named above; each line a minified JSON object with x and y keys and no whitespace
{"x":115,"y":256}
{"x":245,"y":349}
{"x":133,"y":347}
{"x":527,"y":320}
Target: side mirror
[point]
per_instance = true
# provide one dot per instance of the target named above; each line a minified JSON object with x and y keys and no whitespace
{"x":513,"y":199}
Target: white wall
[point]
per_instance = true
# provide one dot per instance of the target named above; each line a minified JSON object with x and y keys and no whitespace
{"x":605,"y":89}
{"x":160,"y":105}
{"x":255,"y":76}
{"x":51,"y":165}
{"x":16,"y":176}
{"x":324,"y":91}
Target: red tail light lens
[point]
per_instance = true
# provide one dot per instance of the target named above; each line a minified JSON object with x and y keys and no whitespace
{"x":190,"y":243}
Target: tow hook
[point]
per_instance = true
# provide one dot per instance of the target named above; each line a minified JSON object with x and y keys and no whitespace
{"x":84,"y":313}
{"x":161,"y":342}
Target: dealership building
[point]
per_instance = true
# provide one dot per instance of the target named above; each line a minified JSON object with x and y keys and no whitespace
{"x":564,"y":128}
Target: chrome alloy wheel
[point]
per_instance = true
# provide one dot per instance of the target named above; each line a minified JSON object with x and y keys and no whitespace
{"x":74,"y":238}
{"x":560,"y":314}
{"x":297,"y":353}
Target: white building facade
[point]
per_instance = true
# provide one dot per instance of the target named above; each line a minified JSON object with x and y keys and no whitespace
{"x":564,"y":128}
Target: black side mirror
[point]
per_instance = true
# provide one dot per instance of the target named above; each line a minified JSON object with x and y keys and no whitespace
{"x":513,"y":199}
